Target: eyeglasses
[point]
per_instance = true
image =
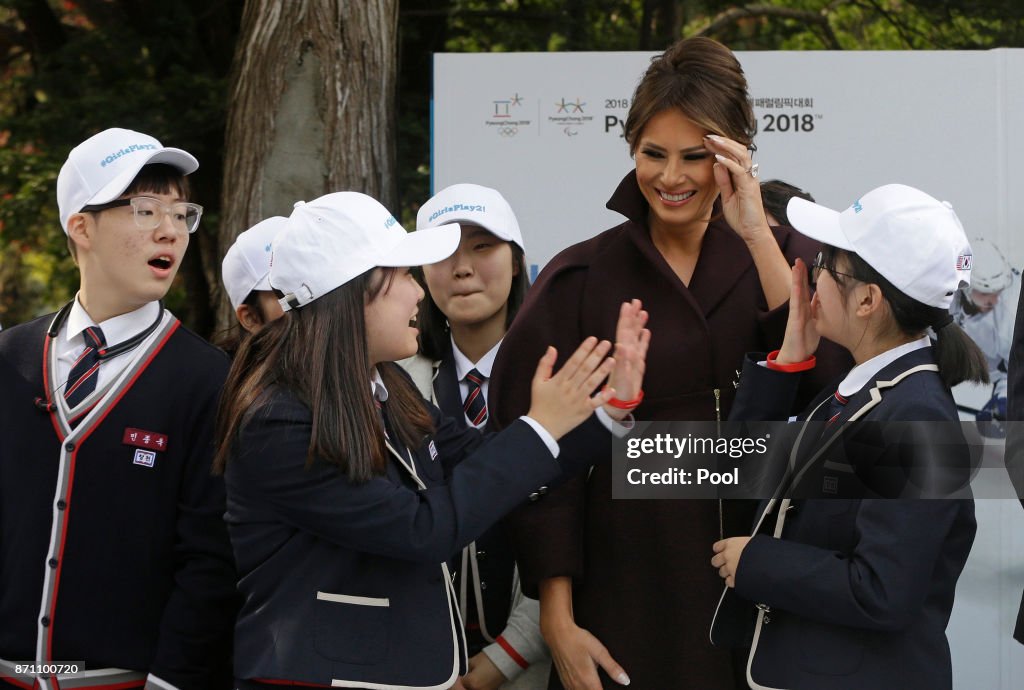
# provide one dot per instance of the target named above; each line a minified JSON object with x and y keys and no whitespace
{"x":150,"y":212}
{"x":817,"y":267}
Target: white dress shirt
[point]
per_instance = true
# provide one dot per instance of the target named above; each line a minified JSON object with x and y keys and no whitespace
{"x":865,"y":372}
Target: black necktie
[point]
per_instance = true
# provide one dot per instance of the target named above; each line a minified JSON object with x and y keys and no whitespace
{"x":82,"y":378}
{"x":475,"y":406}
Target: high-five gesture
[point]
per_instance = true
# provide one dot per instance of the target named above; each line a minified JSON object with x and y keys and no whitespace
{"x":631,"y":341}
{"x":562,"y":401}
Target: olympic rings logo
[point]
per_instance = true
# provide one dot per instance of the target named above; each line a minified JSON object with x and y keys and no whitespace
{"x":508,"y":131}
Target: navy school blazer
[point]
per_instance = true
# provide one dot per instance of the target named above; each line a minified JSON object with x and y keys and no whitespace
{"x":857,"y":592}
{"x":346,"y":583}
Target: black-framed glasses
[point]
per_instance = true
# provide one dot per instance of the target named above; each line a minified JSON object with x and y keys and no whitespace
{"x":150,"y":212}
{"x":817,"y":267}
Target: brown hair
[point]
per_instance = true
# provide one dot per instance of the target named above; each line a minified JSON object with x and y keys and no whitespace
{"x":319,"y":354}
{"x":704,"y":80}
{"x":775,"y":196}
{"x":230,"y":339}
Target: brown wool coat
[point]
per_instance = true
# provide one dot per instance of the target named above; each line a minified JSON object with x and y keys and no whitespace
{"x":642,"y":579}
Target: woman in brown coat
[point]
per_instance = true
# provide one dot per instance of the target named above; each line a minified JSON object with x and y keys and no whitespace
{"x":623,"y":585}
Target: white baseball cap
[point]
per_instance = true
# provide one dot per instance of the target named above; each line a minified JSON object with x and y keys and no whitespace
{"x":913,"y":240}
{"x":473,"y":205}
{"x":100,"y":168}
{"x":246,"y":265}
{"x":331,"y":240}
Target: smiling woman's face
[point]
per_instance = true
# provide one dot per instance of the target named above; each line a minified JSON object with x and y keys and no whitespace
{"x":675,"y":173}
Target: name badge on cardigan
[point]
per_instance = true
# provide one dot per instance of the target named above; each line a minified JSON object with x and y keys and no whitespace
{"x":146,"y":444}
{"x":140,"y":438}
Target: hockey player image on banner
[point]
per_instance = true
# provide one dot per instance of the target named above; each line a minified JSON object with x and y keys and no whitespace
{"x":986,"y":311}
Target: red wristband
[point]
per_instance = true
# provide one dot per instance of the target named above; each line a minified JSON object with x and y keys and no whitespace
{"x":789,"y":368}
{"x":626,"y":404}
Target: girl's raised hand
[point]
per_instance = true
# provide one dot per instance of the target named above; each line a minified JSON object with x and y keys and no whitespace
{"x":802,"y":337}
{"x":562,"y":401}
{"x":631,"y":342}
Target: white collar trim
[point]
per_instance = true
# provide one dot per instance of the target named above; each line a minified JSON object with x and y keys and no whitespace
{"x":865,"y":372}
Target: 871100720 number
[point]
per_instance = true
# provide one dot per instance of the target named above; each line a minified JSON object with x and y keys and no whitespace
{"x":54,"y":668}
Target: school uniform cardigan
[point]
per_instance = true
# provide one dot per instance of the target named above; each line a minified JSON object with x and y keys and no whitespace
{"x":852,"y":593}
{"x":345,"y":583}
{"x":641,"y":583}
{"x":113,"y":549}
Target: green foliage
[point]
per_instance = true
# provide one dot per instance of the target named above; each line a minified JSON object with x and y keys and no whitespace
{"x":36,"y":270}
{"x":72,"y":70}
{"x":543,"y":25}
{"x":868,"y":25}
{"x":69,"y":69}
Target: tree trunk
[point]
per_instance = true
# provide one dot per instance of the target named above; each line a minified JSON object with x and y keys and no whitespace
{"x":312,"y":111}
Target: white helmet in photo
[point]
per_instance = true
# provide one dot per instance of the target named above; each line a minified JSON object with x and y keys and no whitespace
{"x":991,"y":272}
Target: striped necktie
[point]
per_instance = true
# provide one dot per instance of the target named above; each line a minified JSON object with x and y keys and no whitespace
{"x":835,"y":407}
{"x":82,"y":378}
{"x":827,"y":415}
{"x":475,"y":405}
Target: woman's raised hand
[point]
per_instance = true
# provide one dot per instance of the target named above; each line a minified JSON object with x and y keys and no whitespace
{"x":631,"y":342}
{"x":802,"y":337}
{"x":561,"y":402}
{"x":741,"y":192}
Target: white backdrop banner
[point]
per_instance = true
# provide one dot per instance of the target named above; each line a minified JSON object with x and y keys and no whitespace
{"x":545,"y":129}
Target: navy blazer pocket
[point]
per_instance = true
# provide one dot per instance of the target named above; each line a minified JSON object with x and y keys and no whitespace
{"x":830,"y":650}
{"x":350,"y":629}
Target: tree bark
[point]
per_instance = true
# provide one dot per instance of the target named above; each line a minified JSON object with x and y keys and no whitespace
{"x":311,"y":111}
{"x":46,"y":35}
